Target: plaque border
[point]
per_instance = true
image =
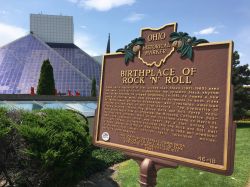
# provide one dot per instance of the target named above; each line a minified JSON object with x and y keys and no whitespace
{"x":228,"y":123}
{"x":163,"y":60}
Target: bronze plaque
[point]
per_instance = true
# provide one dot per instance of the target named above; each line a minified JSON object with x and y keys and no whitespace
{"x":174,"y":109}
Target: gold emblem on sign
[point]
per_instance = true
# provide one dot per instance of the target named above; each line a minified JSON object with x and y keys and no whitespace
{"x":157,"y":47}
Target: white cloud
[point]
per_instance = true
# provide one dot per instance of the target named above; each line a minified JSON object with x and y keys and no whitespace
{"x":3,"y":12}
{"x":86,"y":43}
{"x":134,"y":17}
{"x":83,"y":26}
{"x":102,"y":5}
{"x":9,"y":33}
{"x":207,"y":31}
{"x":73,"y":1}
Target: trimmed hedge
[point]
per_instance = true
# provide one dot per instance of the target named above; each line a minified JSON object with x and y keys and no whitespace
{"x":60,"y":141}
{"x":49,"y":148}
{"x":243,"y":123}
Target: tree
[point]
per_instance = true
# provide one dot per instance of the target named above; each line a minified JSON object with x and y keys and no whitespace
{"x":93,"y":88}
{"x":240,"y":77}
{"x":46,"y":84}
{"x":108,"y":45}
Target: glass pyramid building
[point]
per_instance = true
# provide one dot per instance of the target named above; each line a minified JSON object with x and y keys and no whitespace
{"x":21,"y":61}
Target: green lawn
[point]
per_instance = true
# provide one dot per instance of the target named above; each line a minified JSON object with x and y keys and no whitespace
{"x":128,"y":172}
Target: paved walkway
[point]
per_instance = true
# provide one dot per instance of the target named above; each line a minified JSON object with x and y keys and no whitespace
{"x":248,"y":184}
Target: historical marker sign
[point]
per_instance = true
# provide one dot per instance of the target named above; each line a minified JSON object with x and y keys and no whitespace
{"x":174,"y":102}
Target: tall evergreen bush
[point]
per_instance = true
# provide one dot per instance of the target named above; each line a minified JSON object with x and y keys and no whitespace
{"x":93,"y":88}
{"x":46,"y":84}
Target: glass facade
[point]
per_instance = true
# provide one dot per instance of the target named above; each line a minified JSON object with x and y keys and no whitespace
{"x":21,"y":60}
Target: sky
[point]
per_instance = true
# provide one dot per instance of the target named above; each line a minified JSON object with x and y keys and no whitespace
{"x":214,"y":20}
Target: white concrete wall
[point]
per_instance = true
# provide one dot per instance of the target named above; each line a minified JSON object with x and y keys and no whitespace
{"x":50,"y":28}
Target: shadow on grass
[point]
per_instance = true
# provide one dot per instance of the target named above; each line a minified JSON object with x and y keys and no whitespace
{"x":101,"y":179}
{"x":100,"y":168}
{"x":243,"y":125}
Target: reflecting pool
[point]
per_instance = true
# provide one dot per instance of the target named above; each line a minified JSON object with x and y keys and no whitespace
{"x":86,"y":108}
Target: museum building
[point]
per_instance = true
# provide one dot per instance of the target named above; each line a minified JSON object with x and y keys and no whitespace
{"x":51,"y":37}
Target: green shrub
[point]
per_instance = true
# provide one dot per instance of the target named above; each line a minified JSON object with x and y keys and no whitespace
{"x":93,"y":88}
{"x":60,"y":141}
{"x":5,"y":123}
{"x":108,"y":156}
{"x":248,"y":114}
{"x":49,"y":148}
{"x":44,"y":148}
{"x":46,"y":83}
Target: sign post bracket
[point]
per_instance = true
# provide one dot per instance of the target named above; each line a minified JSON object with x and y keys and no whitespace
{"x":149,"y":168}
